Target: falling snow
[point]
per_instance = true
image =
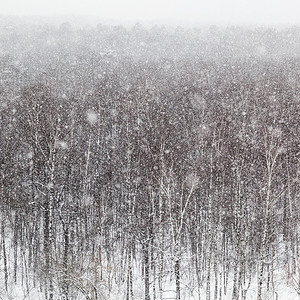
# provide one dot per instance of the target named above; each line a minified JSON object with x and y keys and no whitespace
{"x":148,"y":161}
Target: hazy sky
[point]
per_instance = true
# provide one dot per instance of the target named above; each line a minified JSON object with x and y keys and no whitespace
{"x":202,"y":11}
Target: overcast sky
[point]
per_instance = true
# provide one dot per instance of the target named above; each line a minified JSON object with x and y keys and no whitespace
{"x":201,"y":11}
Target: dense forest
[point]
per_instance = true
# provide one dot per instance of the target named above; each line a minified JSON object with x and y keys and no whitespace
{"x":149,"y":163}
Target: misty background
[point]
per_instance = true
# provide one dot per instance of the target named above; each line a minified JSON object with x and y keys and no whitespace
{"x":219,"y":12}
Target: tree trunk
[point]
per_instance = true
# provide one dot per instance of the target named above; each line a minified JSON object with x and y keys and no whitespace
{"x":4,"y":257}
{"x":147,"y":272}
{"x":177,"y":278}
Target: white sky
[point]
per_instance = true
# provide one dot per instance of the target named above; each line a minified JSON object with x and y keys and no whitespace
{"x":202,"y":11}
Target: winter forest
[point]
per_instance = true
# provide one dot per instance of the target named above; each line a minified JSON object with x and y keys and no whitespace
{"x":149,"y":163}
